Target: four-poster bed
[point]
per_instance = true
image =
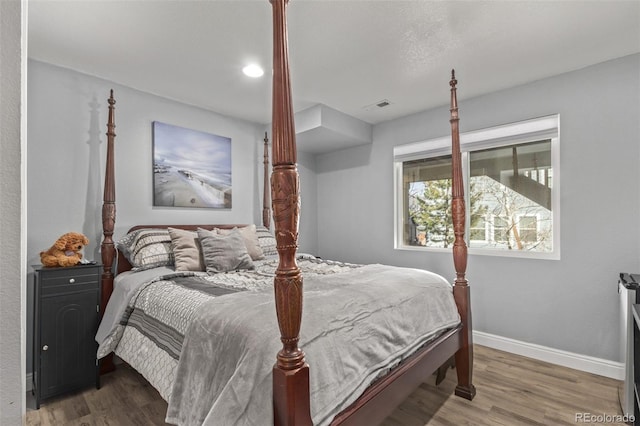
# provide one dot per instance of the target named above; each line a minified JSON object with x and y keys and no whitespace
{"x":291,"y":381}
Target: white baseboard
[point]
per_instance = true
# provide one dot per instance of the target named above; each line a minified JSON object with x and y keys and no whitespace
{"x":602,"y":367}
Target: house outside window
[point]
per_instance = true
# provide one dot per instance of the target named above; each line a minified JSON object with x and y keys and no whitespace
{"x":511,"y":176}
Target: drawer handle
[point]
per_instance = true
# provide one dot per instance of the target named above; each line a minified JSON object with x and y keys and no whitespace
{"x":45,"y":348}
{"x":72,"y":280}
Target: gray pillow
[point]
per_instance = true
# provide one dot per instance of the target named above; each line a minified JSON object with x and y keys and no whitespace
{"x":250,"y":238}
{"x":224,"y":253}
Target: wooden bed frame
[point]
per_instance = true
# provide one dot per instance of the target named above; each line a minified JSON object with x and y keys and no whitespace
{"x":291,"y":400}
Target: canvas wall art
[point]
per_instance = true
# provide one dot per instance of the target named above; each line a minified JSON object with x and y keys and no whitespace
{"x":190,"y":168}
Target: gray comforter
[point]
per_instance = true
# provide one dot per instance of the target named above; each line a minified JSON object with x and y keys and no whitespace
{"x":356,"y":325}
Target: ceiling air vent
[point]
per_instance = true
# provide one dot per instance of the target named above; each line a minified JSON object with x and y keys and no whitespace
{"x":380,"y":104}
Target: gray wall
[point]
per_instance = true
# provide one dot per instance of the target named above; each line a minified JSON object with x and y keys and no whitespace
{"x":570,"y":304}
{"x":66,"y":156}
{"x":12,"y":315}
{"x":308,"y":230}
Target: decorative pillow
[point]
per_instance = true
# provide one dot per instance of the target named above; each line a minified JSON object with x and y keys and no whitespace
{"x":224,"y":253}
{"x":147,"y":248}
{"x":266,"y":241}
{"x":186,"y":250}
{"x":250,"y":238}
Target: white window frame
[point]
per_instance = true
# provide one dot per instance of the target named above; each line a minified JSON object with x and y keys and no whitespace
{"x":536,"y":129}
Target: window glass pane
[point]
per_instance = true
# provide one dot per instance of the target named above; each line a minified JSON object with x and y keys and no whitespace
{"x":478,"y":229}
{"x":528,"y":228}
{"x":427,"y":202}
{"x":500,"y":230}
{"x":512,"y":184}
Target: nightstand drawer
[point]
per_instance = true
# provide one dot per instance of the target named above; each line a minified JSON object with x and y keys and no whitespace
{"x":79,"y":278}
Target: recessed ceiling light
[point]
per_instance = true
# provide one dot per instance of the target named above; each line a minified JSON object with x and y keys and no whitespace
{"x":253,"y":70}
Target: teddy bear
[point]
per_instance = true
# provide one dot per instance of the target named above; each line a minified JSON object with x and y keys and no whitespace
{"x":65,"y":251}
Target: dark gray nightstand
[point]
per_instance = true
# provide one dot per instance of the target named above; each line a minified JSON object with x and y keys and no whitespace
{"x":66,"y":316}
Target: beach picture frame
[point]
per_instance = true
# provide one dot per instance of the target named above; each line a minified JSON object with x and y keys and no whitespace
{"x":191,"y":168}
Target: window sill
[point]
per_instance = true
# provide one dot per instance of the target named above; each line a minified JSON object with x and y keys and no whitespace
{"x":487,"y":252}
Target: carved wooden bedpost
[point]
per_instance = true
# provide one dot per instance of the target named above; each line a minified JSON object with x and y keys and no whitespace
{"x":266,"y":211}
{"x":461,"y":293}
{"x":108,"y":221}
{"x":291,"y":404}
{"x":108,"y":210}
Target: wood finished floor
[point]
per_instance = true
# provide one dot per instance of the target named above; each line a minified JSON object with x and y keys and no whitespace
{"x":511,"y":390}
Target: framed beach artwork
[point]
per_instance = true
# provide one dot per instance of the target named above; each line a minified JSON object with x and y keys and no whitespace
{"x":190,"y":168}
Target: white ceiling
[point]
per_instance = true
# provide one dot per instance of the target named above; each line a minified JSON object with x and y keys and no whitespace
{"x":346,"y":54}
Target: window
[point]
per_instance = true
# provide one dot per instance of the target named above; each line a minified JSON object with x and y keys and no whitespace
{"x":528,"y":229}
{"x":427,"y":197}
{"x":509,"y":183}
{"x":511,"y":191}
{"x":500,"y":230}
{"x":478,"y":229}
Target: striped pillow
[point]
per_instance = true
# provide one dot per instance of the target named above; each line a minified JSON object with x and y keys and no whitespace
{"x":266,"y":241}
{"x":147,"y":248}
